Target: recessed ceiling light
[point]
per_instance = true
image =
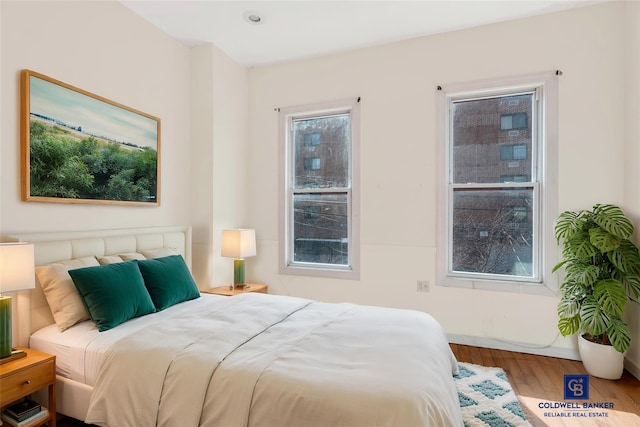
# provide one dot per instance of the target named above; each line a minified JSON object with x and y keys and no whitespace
{"x":253,"y":17}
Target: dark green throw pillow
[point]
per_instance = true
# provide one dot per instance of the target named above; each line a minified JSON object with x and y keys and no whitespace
{"x":112,"y":293}
{"x":168,"y":280}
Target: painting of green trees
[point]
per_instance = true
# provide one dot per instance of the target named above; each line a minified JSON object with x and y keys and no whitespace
{"x":82,"y":148}
{"x":63,"y":165}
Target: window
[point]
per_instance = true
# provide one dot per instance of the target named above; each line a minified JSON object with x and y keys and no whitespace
{"x":312,"y":138}
{"x":513,"y":152}
{"x":312,"y":163}
{"x":498,"y":200}
{"x":320,"y":190}
{"x":513,"y":121}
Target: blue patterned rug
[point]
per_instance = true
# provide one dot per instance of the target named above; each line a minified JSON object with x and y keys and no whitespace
{"x":486,"y":398}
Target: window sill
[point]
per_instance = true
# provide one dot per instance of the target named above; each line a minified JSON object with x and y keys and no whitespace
{"x":344,"y":274}
{"x":514,"y":287}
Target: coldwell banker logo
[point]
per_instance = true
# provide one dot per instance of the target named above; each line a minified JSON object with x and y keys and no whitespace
{"x":576,"y":387}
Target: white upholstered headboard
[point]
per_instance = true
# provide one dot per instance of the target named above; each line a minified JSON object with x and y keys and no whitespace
{"x":33,"y":312}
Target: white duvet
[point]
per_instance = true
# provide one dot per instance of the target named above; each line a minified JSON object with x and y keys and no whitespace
{"x":265,"y":360}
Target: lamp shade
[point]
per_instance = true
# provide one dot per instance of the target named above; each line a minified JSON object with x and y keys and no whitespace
{"x":239,"y":243}
{"x":17,"y":271}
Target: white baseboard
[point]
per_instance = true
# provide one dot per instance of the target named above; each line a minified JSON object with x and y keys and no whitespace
{"x":563,"y":353}
{"x":632,"y":367}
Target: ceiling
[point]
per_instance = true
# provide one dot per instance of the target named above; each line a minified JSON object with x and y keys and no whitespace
{"x":298,"y":29}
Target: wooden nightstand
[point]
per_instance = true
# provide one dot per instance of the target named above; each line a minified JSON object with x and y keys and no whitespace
{"x":21,"y":377}
{"x":250,"y":287}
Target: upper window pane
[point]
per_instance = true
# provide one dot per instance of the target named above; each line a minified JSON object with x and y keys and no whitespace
{"x":321,"y":152}
{"x":481,"y":151}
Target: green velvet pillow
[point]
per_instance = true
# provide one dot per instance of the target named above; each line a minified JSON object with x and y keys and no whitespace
{"x":112,"y":293}
{"x":168,"y":280}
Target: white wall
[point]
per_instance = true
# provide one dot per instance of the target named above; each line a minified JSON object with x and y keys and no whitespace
{"x":201,"y":172}
{"x":220,"y":135}
{"x":397,"y":84}
{"x":103,"y":48}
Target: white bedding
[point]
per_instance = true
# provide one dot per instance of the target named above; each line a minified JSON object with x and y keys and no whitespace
{"x":80,"y":349}
{"x":265,"y":360}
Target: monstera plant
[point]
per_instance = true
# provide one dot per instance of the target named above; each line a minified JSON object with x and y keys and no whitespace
{"x":602,"y":273}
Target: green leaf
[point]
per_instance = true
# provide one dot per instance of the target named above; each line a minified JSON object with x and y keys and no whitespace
{"x":611,"y":296}
{"x":603,"y":240}
{"x":582,"y":273}
{"x":631,"y":283}
{"x":573,"y":290}
{"x":559,"y":266}
{"x":619,"y":335}
{"x":579,"y":246}
{"x":613,"y":220}
{"x":568,"y":307}
{"x":594,"y":319}
{"x":569,"y":325}
{"x":626,"y":257}
{"x":566,"y":225}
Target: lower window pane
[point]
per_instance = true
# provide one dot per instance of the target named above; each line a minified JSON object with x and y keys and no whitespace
{"x":320,"y":229}
{"x":493,"y":231}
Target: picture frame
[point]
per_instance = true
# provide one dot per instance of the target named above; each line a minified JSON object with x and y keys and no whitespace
{"x":78,"y":147}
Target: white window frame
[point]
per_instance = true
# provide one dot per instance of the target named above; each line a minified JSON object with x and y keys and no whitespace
{"x":545,"y":184}
{"x":285,"y":117}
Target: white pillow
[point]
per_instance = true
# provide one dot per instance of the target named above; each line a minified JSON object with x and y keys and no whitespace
{"x":159,"y":253}
{"x":131,"y":256}
{"x":63,"y":297}
{"x":109,"y":259}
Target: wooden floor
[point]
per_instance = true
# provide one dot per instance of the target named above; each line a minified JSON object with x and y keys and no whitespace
{"x":539,"y":380}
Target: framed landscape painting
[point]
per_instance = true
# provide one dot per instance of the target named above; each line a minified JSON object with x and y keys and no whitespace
{"x":77,"y":147}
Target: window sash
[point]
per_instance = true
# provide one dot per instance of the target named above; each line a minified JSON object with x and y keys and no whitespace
{"x":536,"y":124}
{"x":290,"y":261}
{"x":337,"y":175}
{"x":536,"y":249}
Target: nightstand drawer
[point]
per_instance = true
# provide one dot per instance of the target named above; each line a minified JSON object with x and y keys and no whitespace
{"x":26,"y":381}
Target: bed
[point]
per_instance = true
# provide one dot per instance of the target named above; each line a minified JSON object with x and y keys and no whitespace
{"x":202,"y":359}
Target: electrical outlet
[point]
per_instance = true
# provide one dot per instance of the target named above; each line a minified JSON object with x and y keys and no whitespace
{"x":423,"y":286}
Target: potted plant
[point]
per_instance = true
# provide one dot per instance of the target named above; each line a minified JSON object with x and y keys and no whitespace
{"x":602,"y":273}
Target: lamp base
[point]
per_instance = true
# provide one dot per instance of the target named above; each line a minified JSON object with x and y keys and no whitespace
{"x":238,"y":273}
{"x":5,"y":326}
{"x":15,"y":354}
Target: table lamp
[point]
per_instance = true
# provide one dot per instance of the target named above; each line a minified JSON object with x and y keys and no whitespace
{"x":238,"y":244}
{"x":17,"y":272}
